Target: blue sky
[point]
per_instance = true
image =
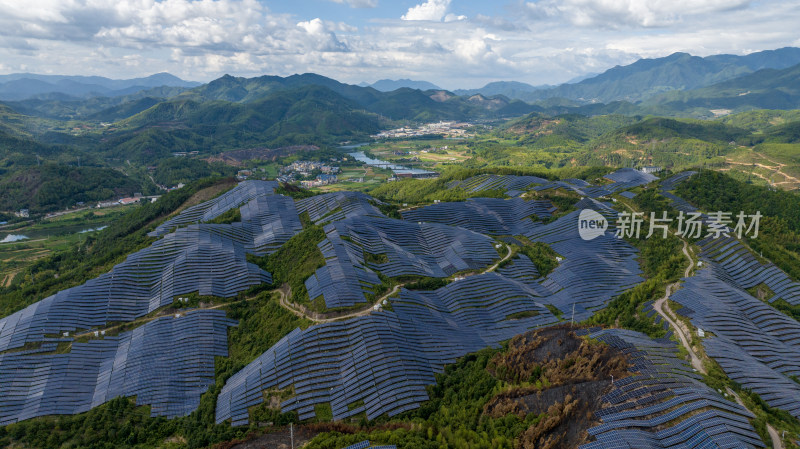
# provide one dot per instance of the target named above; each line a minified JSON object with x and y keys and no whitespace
{"x":453,"y":43}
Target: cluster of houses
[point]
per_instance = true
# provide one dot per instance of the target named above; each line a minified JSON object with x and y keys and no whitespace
{"x":322,"y":173}
{"x":446,"y":129}
{"x":320,"y":180}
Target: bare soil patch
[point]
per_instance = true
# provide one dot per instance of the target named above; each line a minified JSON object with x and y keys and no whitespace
{"x":556,"y":373}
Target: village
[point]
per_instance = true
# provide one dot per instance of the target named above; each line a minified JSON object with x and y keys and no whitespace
{"x":449,"y":130}
{"x":309,"y":173}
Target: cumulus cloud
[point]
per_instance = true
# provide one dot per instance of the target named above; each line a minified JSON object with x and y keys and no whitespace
{"x":322,"y":36}
{"x":536,"y":41}
{"x":432,"y":10}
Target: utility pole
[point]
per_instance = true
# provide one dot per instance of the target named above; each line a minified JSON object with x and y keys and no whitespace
{"x":572,"y":318}
{"x":291,"y":434}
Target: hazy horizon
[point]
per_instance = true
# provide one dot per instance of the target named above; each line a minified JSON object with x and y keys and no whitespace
{"x":452,"y":43}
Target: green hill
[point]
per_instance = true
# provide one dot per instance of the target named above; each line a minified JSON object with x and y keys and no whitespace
{"x":679,"y":71}
{"x":52,"y":186}
{"x":311,"y":114}
{"x":765,"y":89}
{"x":105,"y":109}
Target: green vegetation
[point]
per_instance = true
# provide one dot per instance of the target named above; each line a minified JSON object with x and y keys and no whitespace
{"x":453,"y":417}
{"x":542,"y":256}
{"x":176,"y":170}
{"x":97,"y":253}
{"x":779,"y":231}
{"x":53,"y":235}
{"x":296,"y":261}
{"x":231,"y":216}
{"x":764,"y":89}
{"x":116,"y":424}
{"x":414,"y":191}
{"x":51,"y":187}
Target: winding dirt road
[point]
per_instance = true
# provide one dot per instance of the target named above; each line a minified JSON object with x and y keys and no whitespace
{"x":662,"y":307}
{"x":361,"y":312}
{"x":286,"y":304}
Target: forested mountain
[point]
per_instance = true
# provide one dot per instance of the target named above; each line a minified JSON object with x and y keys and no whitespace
{"x":679,"y":71}
{"x":399,"y":104}
{"x":510,"y":89}
{"x":303,"y":115}
{"x":764,"y":89}
{"x":387,"y":85}
{"x":21,"y":86}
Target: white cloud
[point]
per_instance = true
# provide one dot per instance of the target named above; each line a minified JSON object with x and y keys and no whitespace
{"x":432,"y":10}
{"x":358,"y":3}
{"x":545,"y":41}
{"x":615,"y":13}
{"x":322,"y":36}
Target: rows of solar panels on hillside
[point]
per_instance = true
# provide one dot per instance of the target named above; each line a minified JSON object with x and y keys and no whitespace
{"x":210,"y":259}
{"x":514,"y":186}
{"x":361,"y":241}
{"x":584,"y":265}
{"x":755,"y":344}
{"x":665,"y":403}
{"x":167,"y":364}
{"x":491,"y":216}
{"x":669,"y":184}
{"x":381,"y":363}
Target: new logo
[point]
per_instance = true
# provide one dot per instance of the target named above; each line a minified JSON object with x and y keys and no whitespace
{"x":591,"y":224}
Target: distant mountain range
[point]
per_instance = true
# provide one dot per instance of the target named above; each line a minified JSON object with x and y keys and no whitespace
{"x":235,"y":112}
{"x":764,"y":89}
{"x":679,"y":71}
{"x":510,"y":89}
{"x":390,"y":85}
{"x":21,"y":86}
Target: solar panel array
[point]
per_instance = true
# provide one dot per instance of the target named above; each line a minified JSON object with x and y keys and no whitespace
{"x":677,"y":202}
{"x":167,"y":364}
{"x":344,"y":280}
{"x":511,"y":185}
{"x":366,"y":445}
{"x":212,"y":209}
{"x":491,"y":216}
{"x":188,"y":260}
{"x":204,"y":258}
{"x":744,"y":270}
{"x":408,"y":249}
{"x":334,"y":206}
{"x":624,"y":178}
{"x":521,"y":269}
{"x":386,"y":358}
{"x":666,"y":404}
{"x":426,"y":249}
{"x":756,"y":345}
{"x":267,"y":223}
{"x":592,"y":272}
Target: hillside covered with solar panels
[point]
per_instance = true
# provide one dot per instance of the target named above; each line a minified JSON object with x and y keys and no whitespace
{"x":363,"y":322}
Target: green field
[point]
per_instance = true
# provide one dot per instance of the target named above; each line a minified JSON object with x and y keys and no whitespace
{"x":48,"y":236}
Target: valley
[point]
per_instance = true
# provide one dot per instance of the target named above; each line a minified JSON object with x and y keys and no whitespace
{"x":240,"y":262}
